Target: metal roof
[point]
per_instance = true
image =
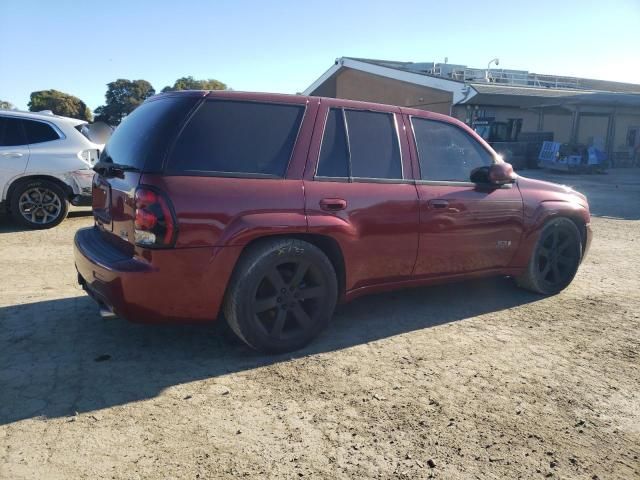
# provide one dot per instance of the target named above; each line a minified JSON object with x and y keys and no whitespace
{"x":493,"y":89}
{"x":586,"y":84}
{"x":599,"y":98}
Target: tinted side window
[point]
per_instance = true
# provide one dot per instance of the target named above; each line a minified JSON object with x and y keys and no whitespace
{"x":38,"y":132}
{"x":446,"y":152}
{"x":238,"y":137}
{"x":373,"y":145}
{"x":11,"y":132}
{"x":334,"y":153}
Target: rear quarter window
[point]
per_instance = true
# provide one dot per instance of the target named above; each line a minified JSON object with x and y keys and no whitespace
{"x":39,"y":132}
{"x":237,"y":137}
{"x":144,"y":137}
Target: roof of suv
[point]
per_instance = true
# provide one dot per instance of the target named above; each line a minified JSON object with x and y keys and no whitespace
{"x":284,"y":97}
{"x":42,"y":116}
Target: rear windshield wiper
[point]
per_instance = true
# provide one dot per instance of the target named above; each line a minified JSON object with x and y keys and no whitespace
{"x":110,"y":169}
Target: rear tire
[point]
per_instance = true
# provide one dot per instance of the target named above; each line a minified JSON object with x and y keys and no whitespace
{"x":38,"y":204}
{"x":555,"y":258}
{"x":281,"y":295}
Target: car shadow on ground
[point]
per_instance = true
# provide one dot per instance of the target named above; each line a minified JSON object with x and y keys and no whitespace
{"x":9,"y":225}
{"x":58,"y":357}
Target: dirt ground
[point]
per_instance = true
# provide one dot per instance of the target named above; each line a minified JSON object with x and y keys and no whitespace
{"x":478,"y":380}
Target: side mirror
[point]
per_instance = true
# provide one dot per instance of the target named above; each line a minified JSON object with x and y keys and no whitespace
{"x":501,"y":173}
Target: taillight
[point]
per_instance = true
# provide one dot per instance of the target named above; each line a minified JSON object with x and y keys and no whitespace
{"x":155,"y":224}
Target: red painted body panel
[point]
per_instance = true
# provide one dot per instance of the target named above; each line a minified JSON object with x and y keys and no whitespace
{"x":162,"y":285}
{"x":388,"y":233}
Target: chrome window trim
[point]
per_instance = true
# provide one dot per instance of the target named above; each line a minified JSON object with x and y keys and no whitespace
{"x":415,"y":143}
{"x":346,"y":133}
{"x":447,"y":183}
{"x":351,"y":178}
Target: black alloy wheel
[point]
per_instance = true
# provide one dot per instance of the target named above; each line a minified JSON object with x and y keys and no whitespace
{"x":555,"y":258}
{"x":281,"y":295}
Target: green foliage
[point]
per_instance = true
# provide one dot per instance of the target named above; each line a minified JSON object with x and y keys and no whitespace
{"x":59,"y":103}
{"x":122,"y":98}
{"x":189,"y":83}
{"x":4,"y":105}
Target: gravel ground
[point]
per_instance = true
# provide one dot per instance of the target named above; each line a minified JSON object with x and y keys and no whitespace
{"x":480,"y":380}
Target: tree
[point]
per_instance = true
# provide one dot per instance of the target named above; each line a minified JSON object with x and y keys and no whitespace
{"x":189,"y":83}
{"x":4,"y":105}
{"x":59,"y":103}
{"x":122,"y":98}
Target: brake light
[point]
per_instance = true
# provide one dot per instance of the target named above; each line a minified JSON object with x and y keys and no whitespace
{"x":155,"y":224}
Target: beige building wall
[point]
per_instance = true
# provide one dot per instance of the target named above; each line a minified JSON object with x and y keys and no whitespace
{"x":529,"y":118}
{"x":357,"y":85}
{"x":593,"y":128}
{"x":559,"y":124}
{"x":501,"y":114}
{"x":623,"y":122}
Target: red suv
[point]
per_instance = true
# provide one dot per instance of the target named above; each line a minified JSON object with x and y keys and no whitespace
{"x":272,"y":208}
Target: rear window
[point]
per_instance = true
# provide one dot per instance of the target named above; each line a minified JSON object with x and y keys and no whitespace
{"x":145,"y":135}
{"x":234,"y":137}
{"x":39,"y":132}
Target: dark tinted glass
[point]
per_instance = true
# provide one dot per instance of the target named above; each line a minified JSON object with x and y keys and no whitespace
{"x":334,"y":153}
{"x":373,"y":145}
{"x":145,"y":135}
{"x":11,"y":133}
{"x":238,"y":137}
{"x":38,"y":132}
{"x":446,"y":152}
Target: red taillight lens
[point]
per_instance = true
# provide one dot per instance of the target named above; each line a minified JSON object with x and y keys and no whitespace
{"x":155,"y":224}
{"x":145,"y":220}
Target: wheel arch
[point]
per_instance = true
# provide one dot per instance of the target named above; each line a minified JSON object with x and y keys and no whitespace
{"x":547,"y":211}
{"x":16,"y":182}
{"x":328,"y":245}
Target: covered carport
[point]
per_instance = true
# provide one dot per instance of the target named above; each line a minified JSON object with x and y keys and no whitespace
{"x":608,"y":121}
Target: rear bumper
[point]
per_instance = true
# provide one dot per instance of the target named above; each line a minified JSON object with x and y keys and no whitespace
{"x":154,"y":286}
{"x":81,"y":200}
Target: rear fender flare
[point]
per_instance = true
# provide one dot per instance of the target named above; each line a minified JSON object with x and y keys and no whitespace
{"x":246,"y":228}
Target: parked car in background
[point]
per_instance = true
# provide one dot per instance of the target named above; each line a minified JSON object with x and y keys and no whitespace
{"x":271,"y":208}
{"x":45,"y":163}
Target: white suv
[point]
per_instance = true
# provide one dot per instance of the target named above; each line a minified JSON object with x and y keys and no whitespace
{"x":45,"y":163}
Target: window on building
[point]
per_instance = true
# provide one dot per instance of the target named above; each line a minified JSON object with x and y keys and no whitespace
{"x":238,"y":137}
{"x":446,"y":152}
{"x":367,"y":148}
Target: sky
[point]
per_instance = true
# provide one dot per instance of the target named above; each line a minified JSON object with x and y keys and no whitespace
{"x":283,"y":46}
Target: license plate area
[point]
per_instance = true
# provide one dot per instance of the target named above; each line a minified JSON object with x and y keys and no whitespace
{"x":101,"y":203}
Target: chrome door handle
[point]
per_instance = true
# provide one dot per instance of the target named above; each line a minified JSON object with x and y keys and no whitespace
{"x":438,"y":203}
{"x":11,"y":154}
{"x":333,"y":204}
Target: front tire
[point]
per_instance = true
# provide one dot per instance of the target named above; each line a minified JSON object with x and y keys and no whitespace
{"x":555,"y":258}
{"x":39,"y":204}
{"x":281,"y":296}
